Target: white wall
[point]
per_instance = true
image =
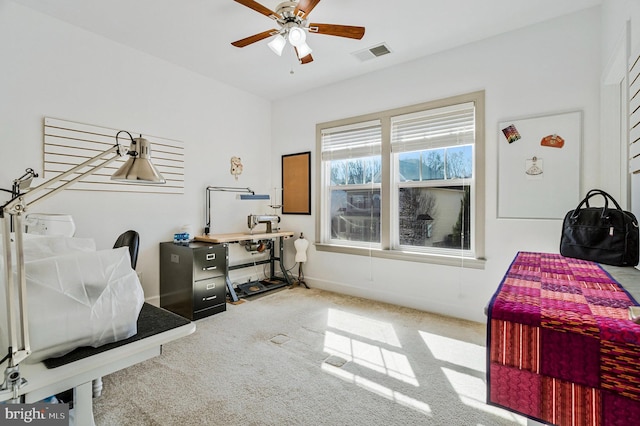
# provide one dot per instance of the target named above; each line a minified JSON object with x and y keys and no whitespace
{"x":550,"y":67}
{"x":615,"y":13}
{"x":617,"y":16}
{"x":52,"y":69}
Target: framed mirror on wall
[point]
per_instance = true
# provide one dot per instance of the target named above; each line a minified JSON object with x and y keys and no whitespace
{"x":296,"y":183}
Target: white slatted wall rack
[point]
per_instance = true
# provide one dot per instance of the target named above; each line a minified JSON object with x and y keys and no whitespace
{"x":634,"y":112}
{"x":67,"y":144}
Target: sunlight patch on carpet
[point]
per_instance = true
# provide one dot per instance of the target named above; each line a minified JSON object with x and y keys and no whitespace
{"x":457,"y":352}
{"x":378,"y":389}
{"x":368,"y":328}
{"x":374,"y":357}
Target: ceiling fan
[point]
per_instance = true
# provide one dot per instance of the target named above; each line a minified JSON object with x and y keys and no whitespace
{"x":292,"y":18}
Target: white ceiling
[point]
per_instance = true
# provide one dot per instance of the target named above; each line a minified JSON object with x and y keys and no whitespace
{"x":197,"y":34}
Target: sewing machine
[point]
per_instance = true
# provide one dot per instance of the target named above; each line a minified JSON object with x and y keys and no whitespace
{"x":271,"y":220}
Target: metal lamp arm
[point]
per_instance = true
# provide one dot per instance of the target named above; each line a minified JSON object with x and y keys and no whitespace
{"x":207,"y":203}
{"x":21,"y":202}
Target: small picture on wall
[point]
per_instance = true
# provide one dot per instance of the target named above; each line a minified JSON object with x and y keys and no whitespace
{"x":552,"y":141}
{"x":511,"y":133}
{"x":534,"y":168}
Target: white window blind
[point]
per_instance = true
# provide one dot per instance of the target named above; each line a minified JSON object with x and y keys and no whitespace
{"x":434,"y":128}
{"x":357,"y":140}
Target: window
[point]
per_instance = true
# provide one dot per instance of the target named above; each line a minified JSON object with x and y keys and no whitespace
{"x":352,"y":166}
{"x":432,"y":154}
{"x":406,"y":183}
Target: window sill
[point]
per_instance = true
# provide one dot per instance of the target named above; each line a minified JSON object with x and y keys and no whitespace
{"x":466,"y":262}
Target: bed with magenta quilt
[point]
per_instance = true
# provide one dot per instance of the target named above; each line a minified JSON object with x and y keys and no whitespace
{"x":561,"y":348}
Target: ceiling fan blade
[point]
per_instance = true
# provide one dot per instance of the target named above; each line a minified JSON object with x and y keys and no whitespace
{"x":258,"y":8}
{"x":256,"y":37}
{"x":337,"y":30}
{"x":305,"y":7}
{"x":304,"y":59}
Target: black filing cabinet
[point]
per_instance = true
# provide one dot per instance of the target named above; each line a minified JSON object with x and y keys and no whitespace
{"x":193,"y":278}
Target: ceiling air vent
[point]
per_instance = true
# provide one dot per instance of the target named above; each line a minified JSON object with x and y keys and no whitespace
{"x":372,"y":52}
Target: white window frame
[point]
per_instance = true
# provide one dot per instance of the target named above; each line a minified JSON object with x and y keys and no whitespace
{"x":355,"y":140}
{"x":434,"y":128}
{"x":389,"y":247}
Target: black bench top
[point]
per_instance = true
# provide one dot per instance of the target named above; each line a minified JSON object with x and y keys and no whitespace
{"x":152,"y":320}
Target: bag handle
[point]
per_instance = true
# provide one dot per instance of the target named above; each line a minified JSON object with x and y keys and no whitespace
{"x":593,"y":193}
{"x":589,"y":194}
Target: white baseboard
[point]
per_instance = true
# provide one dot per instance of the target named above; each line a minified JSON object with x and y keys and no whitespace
{"x":407,"y":300}
{"x":154,"y":300}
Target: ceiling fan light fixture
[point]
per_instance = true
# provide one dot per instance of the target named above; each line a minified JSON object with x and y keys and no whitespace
{"x":303,"y":50}
{"x":292,"y":18}
{"x":297,"y":36}
{"x":277,"y":44}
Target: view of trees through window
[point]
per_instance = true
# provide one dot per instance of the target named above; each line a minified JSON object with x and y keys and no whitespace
{"x":434,"y":217}
{"x":404,"y":183}
{"x":434,"y":214}
{"x":436,"y":164}
{"x":356,"y":171}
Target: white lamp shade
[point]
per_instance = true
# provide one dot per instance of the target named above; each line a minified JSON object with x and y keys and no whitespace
{"x":277,"y":44}
{"x":303,"y":50}
{"x":297,"y":36}
{"x":139,"y":168}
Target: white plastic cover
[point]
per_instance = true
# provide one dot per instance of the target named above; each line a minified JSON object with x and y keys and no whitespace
{"x":41,"y":246}
{"x":78,"y":298}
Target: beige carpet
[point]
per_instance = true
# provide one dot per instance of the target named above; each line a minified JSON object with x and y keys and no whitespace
{"x":309,"y":357}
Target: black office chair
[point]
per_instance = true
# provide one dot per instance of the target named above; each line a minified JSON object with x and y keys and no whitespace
{"x":130,"y":239}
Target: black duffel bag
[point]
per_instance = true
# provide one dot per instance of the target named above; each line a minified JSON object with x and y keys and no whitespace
{"x":600,"y":234}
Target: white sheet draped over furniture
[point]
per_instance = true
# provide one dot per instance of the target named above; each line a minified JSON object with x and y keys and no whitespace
{"x":77,"y":296}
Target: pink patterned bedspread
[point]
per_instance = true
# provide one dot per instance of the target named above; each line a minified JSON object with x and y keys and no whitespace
{"x":560,"y":346}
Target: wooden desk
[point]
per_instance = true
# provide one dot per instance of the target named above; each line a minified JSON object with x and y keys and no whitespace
{"x":242,"y":236}
{"x":245,"y":236}
{"x":77,"y":369}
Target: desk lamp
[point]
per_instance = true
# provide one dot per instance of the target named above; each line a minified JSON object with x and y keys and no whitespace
{"x":137,"y":169}
{"x":245,"y":194}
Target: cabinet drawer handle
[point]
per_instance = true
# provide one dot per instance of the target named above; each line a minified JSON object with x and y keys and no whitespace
{"x":211,"y":256}
{"x":211,"y":286}
{"x":210,"y":268}
{"x":209,"y":298}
